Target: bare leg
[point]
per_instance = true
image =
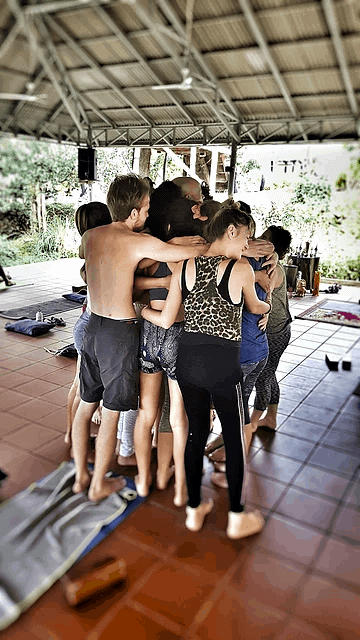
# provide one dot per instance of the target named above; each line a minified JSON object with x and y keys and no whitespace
{"x":179,"y":425}
{"x":150,"y":385}
{"x":164,"y":457}
{"x":255,"y":417}
{"x":100,"y":486}
{"x":269,"y":419}
{"x":70,"y":403}
{"x":80,"y":438}
{"x":155,"y":429}
{"x":248,"y":432}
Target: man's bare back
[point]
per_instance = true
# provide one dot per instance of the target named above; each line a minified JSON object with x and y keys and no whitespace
{"x":112,"y":253}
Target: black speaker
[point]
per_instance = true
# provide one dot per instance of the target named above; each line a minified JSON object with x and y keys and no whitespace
{"x":86,"y":163}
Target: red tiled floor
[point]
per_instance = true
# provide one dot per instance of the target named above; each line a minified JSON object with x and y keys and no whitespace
{"x":269,"y":579}
{"x":12,"y":380}
{"x":175,"y":593}
{"x":56,"y":450}
{"x":33,"y":409}
{"x":329,"y":608}
{"x":241,"y":617}
{"x":36,"y":388}
{"x":340,"y":560}
{"x":10,"y":423}
{"x":30,"y":437}
{"x":39,"y":370}
{"x":290,"y":540}
{"x":11,"y":399}
{"x":299,"y":630}
{"x":55,"y":420}
{"x":133,"y":624}
{"x":57,"y":397}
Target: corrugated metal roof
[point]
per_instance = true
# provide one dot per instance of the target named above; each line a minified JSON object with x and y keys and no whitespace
{"x":112,"y":58}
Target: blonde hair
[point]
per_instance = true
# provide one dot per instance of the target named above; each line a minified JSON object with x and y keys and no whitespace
{"x":125,"y":194}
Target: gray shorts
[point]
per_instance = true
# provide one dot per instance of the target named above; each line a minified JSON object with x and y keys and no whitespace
{"x":79,"y":329}
{"x":159,"y":348}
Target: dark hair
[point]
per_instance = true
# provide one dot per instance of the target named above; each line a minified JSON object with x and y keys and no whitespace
{"x":91,"y":215}
{"x":161,"y":198}
{"x":229,"y":213}
{"x":179,"y":219}
{"x":205,"y":190}
{"x":125,"y":194}
{"x":209,"y":208}
{"x":281,"y":239}
{"x":244,"y":206}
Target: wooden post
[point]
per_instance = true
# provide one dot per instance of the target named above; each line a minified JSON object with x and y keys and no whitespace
{"x":144,"y":162}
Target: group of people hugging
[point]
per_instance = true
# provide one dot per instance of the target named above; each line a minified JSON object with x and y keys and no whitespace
{"x":187,"y":312}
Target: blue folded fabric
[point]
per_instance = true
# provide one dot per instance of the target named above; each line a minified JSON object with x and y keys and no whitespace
{"x":29,"y":327}
{"x":75,"y":297}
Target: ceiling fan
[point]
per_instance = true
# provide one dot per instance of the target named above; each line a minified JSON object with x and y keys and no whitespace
{"x":187,"y":83}
{"x":190,"y":79}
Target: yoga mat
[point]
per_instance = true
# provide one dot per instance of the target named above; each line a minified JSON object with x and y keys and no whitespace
{"x":333,"y":311}
{"x":49,"y":308}
{"x":45,"y":529}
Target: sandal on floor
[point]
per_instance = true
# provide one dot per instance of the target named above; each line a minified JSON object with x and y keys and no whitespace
{"x":58,"y":322}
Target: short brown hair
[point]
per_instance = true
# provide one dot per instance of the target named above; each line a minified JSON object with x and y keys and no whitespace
{"x":125,"y":194}
{"x":229,"y":213}
{"x":91,"y":215}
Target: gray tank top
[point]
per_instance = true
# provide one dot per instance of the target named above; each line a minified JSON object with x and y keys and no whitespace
{"x":280,"y":315}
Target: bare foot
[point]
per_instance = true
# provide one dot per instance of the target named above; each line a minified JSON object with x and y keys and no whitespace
{"x":220,"y":466}
{"x":162,"y":481}
{"x":108,"y":486}
{"x":219,"y":479}
{"x":127,"y":461}
{"x":82,"y":483}
{"x":181,"y":495}
{"x":218,"y":456}
{"x":267,"y":423}
{"x":195,"y":517}
{"x":241,"y":525}
{"x":214,"y":444}
{"x":143,"y":488}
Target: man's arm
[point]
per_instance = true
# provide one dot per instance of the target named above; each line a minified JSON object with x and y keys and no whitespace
{"x":155,"y":249}
{"x":253,"y":304}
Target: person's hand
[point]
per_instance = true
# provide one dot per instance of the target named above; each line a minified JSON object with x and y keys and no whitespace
{"x":143,"y":310}
{"x":271,"y":263}
{"x":263,"y":322}
{"x":262,"y":278}
{"x":186,"y":240}
{"x":258,"y":249}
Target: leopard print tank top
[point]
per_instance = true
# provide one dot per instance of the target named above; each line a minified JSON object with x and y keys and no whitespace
{"x":206,"y":311}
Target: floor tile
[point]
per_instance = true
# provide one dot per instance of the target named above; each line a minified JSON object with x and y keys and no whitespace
{"x":351,"y":406}
{"x":39,"y":370}
{"x":300,"y":630}
{"x":298,"y":381}
{"x":175,"y":593}
{"x":55,"y":420}
{"x":152,"y":526}
{"x":322,"y":482}
{"x":307,"y":508}
{"x":36,"y":388}
{"x":292,"y":393}
{"x":334,"y":460}
{"x":353,"y":497}
{"x":61,"y":376}
{"x":346,"y":422}
{"x":56,"y":450}
{"x":262,"y":491}
{"x":289,"y":446}
{"x":133,"y":624}
{"x":237,"y":617}
{"x":10,"y":423}
{"x":286,"y":538}
{"x":318,"y":415}
{"x":269,"y":579}
{"x":207,"y":551}
{"x":33,"y":409}
{"x":302,"y":429}
{"x":347,"y":524}
{"x":343,"y":440}
{"x":310,"y":372}
{"x":12,"y":380}
{"x":340,"y":560}
{"x":329,"y":608}
{"x":287,"y":406}
{"x":12,"y":363}
{"x":315,"y":398}
{"x":30,"y":437}
{"x":274,"y":466}
{"x":57,"y":396}
{"x":10,"y":399}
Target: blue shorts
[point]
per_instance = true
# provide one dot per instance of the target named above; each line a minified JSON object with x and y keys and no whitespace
{"x":159,"y":348}
{"x":79,"y":329}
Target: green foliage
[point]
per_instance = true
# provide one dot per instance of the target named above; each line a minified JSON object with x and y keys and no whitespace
{"x":112,"y":162}
{"x":50,"y":244}
{"x":341,"y":269}
{"x":57,"y":210}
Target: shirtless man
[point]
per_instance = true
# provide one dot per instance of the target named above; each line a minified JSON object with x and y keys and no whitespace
{"x":109,"y":360}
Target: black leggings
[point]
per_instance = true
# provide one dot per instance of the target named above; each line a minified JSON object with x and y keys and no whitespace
{"x":204,"y":372}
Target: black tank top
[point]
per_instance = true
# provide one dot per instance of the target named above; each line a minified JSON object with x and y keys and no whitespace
{"x":161,"y":272}
{"x":208,"y":306}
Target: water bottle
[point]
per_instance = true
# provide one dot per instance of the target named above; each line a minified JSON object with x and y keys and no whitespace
{"x":39,"y":316}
